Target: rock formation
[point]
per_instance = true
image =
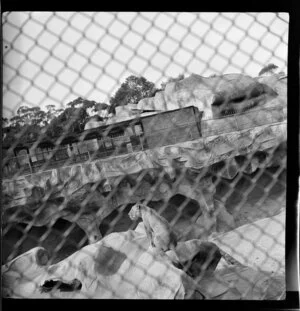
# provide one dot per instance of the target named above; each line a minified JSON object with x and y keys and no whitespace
{"x":122,"y":265}
{"x":216,"y":96}
{"x":87,"y":193}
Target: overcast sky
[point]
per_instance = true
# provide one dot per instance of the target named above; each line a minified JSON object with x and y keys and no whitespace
{"x":55,"y":57}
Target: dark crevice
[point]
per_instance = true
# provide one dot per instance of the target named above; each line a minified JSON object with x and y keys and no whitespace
{"x":49,"y":285}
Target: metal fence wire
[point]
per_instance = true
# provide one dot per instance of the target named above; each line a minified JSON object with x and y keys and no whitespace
{"x":144,"y":155}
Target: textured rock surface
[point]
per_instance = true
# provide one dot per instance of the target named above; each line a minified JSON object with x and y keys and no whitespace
{"x":80,"y":191}
{"x":197,"y":155}
{"x":86,"y":193}
{"x":277,"y":82}
{"x":112,"y":268}
{"x":259,"y":245}
{"x":210,"y":95}
{"x":123,"y":275}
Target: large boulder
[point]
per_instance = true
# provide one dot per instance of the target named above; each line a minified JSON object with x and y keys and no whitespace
{"x":277,"y":82}
{"x":214,"y":96}
{"x":259,"y":245}
{"x":122,"y":265}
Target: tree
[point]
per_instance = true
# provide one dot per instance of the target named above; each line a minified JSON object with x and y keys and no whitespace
{"x":55,"y":127}
{"x":268,"y":69}
{"x":68,"y":121}
{"x":73,"y":118}
{"x":28,"y":132}
{"x":5,"y":122}
{"x":26,"y":125}
{"x":28,"y":116}
{"x":103,"y":111}
{"x":131,"y":92}
{"x":5,"y":127}
{"x":51,"y":113}
{"x":83,"y":103}
{"x":30,"y":122}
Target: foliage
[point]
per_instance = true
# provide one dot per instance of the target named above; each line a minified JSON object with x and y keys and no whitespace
{"x":28,"y":116}
{"x":29,"y":132}
{"x":33,"y":116}
{"x":29,"y":122}
{"x":82,"y":103}
{"x":52,"y":112}
{"x":70,"y":120}
{"x":73,"y":118}
{"x":5,"y":121}
{"x":131,"y":92}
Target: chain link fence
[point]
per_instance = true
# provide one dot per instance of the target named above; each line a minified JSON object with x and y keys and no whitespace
{"x":164,"y":176}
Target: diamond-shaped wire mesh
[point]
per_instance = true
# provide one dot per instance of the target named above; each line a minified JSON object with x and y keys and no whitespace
{"x":144,"y":155}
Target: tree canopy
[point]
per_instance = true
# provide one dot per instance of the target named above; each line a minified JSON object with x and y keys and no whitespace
{"x":74,"y":117}
{"x":29,"y":122}
{"x":132,"y":91}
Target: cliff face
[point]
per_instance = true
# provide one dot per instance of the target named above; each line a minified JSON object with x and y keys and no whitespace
{"x":197,"y":155}
{"x":214,"y":95}
{"x":101,"y":186}
{"x":87,"y":193}
{"x":91,"y":191}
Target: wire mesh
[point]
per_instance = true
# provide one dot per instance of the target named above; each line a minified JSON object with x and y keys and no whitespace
{"x":144,"y":155}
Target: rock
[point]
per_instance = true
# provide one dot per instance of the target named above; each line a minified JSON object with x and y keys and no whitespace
{"x":50,"y":285}
{"x":259,"y":245}
{"x":227,"y":169}
{"x":147,"y":104}
{"x":204,"y":261}
{"x":252,"y":166}
{"x":277,"y":82}
{"x":47,"y":192}
{"x":225,"y":221}
{"x":120,"y":275}
{"x":248,"y":284}
{"x":222,"y":151}
{"x":277,"y":156}
{"x":214,"y":96}
{"x":123,"y":266}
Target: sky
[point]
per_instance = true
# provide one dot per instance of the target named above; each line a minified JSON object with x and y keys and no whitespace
{"x":51,"y":58}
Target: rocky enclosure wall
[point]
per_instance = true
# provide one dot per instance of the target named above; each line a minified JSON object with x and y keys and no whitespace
{"x":197,"y":155}
{"x":87,"y":193}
